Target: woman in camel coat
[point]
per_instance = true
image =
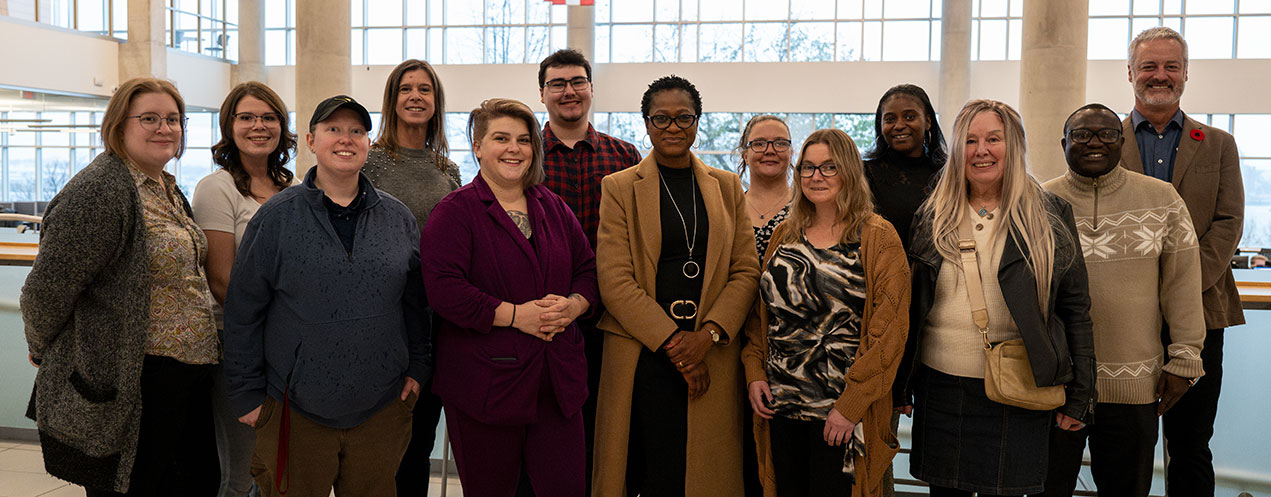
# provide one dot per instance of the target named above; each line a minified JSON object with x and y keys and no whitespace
{"x":678,"y":274}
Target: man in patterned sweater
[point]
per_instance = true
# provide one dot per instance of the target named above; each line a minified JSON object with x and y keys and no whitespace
{"x":1143,"y":262}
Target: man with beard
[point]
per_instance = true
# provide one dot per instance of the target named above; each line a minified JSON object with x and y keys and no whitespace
{"x":576,"y":157}
{"x":1144,"y":270}
{"x":1203,"y":165}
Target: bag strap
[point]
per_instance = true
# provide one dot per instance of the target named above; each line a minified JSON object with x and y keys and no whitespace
{"x":971,"y":273}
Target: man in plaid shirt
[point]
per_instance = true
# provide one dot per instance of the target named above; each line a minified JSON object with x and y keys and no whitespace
{"x":576,"y":157}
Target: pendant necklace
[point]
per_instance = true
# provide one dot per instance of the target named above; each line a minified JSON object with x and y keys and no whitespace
{"x":691,"y":269}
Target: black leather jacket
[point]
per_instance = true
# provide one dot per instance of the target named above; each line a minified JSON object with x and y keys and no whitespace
{"x":1060,"y":346}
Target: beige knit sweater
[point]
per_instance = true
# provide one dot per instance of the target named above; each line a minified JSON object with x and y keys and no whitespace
{"x":1144,"y":267}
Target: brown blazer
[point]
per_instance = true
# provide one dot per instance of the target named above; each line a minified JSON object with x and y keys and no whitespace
{"x":1207,"y":176}
{"x":867,"y":396}
{"x":627,"y":252}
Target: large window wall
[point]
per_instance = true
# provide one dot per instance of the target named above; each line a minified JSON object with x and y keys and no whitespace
{"x":105,"y":17}
{"x":208,"y":27}
{"x":1214,"y":29}
{"x":386,"y":32}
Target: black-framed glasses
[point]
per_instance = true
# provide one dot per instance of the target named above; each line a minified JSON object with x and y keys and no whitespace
{"x":1083,"y":135}
{"x":150,"y":121}
{"x":558,"y":85}
{"x":683,"y":121}
{"x":268,"y":118}
{"x":779,"y":145}
{"x":827,"y":170}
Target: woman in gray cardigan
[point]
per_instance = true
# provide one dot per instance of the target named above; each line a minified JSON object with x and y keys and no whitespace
{"x":118,"y":314}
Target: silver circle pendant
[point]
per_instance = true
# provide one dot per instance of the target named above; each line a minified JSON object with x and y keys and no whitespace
{"x":691,"y":270}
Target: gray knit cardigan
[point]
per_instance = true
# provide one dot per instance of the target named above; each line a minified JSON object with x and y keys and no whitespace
{"x":86,"y":306}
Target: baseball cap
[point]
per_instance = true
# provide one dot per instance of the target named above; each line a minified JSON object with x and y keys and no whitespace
{"x":330,"y":105}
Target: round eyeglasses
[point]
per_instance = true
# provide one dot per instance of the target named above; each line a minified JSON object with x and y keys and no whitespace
{"x":150,"y":121}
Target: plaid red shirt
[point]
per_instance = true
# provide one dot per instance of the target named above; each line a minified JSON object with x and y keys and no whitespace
{"x":575,"y":174}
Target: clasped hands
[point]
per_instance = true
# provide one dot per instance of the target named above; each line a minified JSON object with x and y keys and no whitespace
{"x":687,"y":351}
{"x":548,"y":316}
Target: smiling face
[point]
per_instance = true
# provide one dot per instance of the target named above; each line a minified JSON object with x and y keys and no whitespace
{"x":339,"y":143}
{"x":671,"y":145}
{"x":905,"y":125}
{"x":1158,"y":72}
{"x":571,"y":105}
{"x":770,"y":163}
{"x":985,"y":153}
{"x":256,"y":138}
{"x":149,"y":149}
{"x":414,"y":99}
{"x":818,"y":188}
{"x":505,"y":151}
{"x":1093,"y":158}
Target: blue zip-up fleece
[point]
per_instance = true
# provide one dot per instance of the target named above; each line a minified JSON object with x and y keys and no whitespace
{"x":337,"y":331}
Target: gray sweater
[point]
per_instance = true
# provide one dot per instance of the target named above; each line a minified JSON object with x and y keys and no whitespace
{"x":336,"y":331}
{"x":86,"y":306}
{"x":412,"y":178}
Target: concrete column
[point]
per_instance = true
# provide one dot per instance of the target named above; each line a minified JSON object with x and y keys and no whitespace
{"x":1052,"y":79}
{"x":146,"y":51}
{"x":581,"y":29}
{"x":955,"y":62}
{"x":251,"y":42}
{"x":323,"y":62}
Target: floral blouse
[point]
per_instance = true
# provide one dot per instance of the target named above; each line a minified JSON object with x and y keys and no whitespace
{"x":181,"y":323}
{"x":764,"y":233}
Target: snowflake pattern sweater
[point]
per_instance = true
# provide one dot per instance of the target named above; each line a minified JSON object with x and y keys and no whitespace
{"x":1144,"y":267}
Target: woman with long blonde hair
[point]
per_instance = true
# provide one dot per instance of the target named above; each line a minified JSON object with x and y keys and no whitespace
{"x":827,"y":332}
{"x":1034,"y":287}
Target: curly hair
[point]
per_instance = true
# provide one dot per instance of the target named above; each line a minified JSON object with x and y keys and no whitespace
{"x":225,"y":152}
{"x":671,"y":82}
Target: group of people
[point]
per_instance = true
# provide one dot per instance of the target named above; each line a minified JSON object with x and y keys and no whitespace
{"x":597,"y":323}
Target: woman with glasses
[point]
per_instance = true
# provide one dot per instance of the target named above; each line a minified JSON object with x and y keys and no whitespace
{"x":765,"y":154}
{"x":828,"y":332}
{"x":118,"y":314}
{"x":678,"y":275}
{"x":256,"y":144}
{"x":408,"y":160}
{"x":1031,"y":286}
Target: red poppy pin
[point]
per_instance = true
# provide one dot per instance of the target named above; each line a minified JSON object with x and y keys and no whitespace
{"x":1198,"y":135}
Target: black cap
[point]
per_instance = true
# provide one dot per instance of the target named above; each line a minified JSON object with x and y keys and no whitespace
{"x":330,"y":105}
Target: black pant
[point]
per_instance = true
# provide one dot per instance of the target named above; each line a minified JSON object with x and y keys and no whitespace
{"x":1189,"y":425}
{"x":656,"y":455}
{"x":953,"y":492}
{"x":176,"y":449}
{"x":804,"y":465}
{"x":1122,"y":449}
{"x":415,"y":471}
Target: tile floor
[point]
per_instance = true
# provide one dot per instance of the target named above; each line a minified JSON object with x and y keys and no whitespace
{"x":22,"y":475}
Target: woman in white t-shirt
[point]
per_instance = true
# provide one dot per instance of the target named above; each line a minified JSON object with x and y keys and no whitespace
{"x":256,"y":144}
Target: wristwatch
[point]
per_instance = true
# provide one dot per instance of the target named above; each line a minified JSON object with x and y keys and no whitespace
{"x":714,"y":335}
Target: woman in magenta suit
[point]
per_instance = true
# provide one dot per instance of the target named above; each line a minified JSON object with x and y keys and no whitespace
{"x":508,"y":269}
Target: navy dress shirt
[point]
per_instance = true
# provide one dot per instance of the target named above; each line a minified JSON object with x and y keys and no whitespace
{"x":1158,"y":149}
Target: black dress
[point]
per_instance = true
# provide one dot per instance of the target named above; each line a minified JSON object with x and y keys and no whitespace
{"x":900,"y":184}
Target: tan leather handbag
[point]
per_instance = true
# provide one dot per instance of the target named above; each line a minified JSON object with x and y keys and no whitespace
{"x":1008,"y":374}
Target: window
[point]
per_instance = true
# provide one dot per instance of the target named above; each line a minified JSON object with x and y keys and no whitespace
{"x":104,"y":17}
{"x":208,"y":27}
{"x":1214,"y":29}
{"x":41,"y":151}
{"x":997,"y":28}
{"x":766,"y":30}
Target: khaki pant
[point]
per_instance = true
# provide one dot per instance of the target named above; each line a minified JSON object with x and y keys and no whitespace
{"x":360,"y":461}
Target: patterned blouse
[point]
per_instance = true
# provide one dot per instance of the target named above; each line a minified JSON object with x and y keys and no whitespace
{"x":816,"y":298}
{"x":181,"y":323}
{"x":764,"y":233}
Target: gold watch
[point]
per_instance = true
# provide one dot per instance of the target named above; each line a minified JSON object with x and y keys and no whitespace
{"x":714,"y":335}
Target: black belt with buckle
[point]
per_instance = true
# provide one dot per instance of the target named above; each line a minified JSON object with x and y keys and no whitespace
{"x":681,"y":309}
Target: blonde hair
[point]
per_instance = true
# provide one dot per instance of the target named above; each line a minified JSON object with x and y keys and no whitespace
{"x":854,"y":201}
{"x":112,"y":130}
{"x":744,"y":142}
{"x":1021,"y":198}
{"x":479,"y":122}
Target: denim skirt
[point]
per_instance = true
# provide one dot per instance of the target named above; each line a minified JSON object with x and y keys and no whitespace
{"x":963,"y":440}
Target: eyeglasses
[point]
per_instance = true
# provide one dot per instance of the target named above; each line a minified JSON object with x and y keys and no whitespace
{"x":1083,"y":135}
{"x":558,"y":85}
{"x":779,"y":145}
{"x":827,"y":170}
{"x":683,"y":121}
{"x":150,"y":121}
{"x":269,"y":119}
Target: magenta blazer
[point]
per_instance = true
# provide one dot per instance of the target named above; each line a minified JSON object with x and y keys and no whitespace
{"x":475,"y":258}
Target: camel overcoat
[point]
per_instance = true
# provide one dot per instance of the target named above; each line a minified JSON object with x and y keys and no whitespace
{"x":866,"y":397}
{"x":627,"y":253}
